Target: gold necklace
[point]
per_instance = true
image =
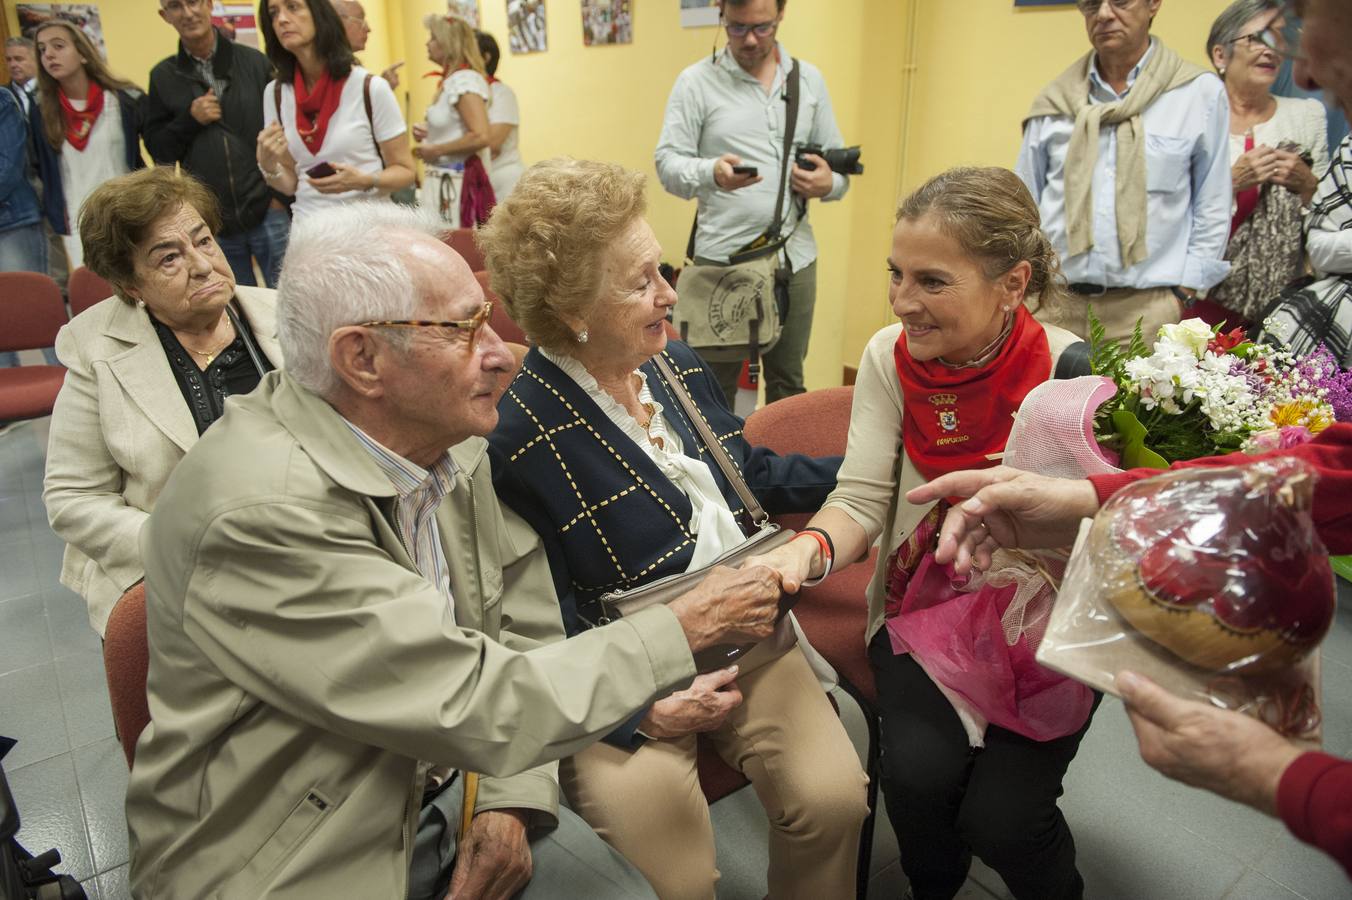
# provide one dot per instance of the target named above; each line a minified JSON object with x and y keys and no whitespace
{"x":208,"y":355}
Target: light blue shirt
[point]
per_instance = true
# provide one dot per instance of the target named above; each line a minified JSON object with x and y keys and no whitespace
{"x":1188,"y":189}
{"x":716,"y":107}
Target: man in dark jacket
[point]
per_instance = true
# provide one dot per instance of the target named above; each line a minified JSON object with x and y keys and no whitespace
{"x":204,"y":110}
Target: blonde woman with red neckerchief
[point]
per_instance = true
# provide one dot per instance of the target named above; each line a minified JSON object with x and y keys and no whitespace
{"x":332,"y":131}
{"x":453,"y":141}
{"x":90,"y":126}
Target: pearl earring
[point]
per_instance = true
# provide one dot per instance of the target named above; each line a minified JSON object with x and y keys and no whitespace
{"x":582,"y":336}
{"x":1004,"y":309}
{"x":1221,"y":71}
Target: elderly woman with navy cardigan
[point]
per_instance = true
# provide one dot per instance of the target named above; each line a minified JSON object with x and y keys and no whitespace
{"x":594,"y":450}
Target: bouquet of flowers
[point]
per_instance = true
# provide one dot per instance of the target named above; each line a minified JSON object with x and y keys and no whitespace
{"x":1203,"y":392}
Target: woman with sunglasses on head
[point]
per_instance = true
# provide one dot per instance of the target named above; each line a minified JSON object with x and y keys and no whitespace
{"x":1278,"y":151}
{"x":332,"y":131}
{"x":90,"y":126}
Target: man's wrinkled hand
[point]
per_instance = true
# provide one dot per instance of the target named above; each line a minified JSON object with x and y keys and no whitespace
{"x":730,"y":605}
{"x":493,"y":862}
{"x":701,"y":707}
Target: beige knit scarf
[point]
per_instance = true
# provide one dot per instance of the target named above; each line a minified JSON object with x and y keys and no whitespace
{"x":1068,"y":96}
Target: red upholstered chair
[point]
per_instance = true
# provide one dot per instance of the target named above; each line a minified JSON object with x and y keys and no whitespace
{"x":126,"y":660}
{"x":85,"y":290}
{"x":461,"y":240}
{"x":501,"y":321}
{"x":31,"y":313}
{"x":834,"y":614}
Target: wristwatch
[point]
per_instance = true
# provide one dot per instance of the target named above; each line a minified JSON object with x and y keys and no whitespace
{"x":1184,"y":297}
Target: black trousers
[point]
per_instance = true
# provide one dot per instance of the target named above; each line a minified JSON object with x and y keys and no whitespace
{"x":948,"y":801}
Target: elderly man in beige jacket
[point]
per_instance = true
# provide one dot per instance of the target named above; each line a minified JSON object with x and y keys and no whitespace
{"x":343,"y":621}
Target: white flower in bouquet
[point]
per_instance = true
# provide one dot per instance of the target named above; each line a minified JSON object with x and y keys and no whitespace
{"x":1193,"y":334}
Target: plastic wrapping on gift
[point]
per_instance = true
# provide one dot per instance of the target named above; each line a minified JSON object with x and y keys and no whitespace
{"x":1210,"y":581}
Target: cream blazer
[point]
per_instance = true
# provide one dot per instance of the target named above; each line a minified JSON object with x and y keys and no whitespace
{"x":119,"y":427}
{"x":876,"y":474}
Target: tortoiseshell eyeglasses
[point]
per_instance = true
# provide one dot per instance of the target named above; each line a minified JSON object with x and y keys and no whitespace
{"x":469,"y":328}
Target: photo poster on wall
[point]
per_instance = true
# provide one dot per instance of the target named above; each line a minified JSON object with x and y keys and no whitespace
{"x":84,"y":15}
{"x":699,"y":13}
{"x":236,"y":21}
{"x":607,"y":22}
{"x":465,"y":9}
{"x":526,"y":26}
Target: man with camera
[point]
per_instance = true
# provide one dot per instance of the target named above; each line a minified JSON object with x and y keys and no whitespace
{"x":724,"y":143}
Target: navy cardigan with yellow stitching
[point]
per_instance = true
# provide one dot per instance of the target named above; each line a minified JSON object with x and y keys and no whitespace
{"x":608,"y":517}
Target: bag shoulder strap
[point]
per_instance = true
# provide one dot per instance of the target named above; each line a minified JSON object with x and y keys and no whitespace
{"x":277,"y":99}
{"x":790,"y":126}
{"x":370,"y":118}
{"x":716,"y":450}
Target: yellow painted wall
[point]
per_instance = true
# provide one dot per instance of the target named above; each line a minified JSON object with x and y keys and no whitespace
{"x":977,"y":65}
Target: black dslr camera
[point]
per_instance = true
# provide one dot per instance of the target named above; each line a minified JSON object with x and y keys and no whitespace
{"x":844,"y":160}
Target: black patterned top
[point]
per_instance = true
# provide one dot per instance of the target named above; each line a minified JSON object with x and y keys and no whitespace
{"x":232,"y":372}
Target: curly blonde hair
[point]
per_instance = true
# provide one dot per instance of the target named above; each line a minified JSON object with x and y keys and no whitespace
{"x":544,"y":244}
{"x":990,"y":213}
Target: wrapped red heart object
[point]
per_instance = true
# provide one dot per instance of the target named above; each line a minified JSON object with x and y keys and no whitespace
{"x":1220,"y":566}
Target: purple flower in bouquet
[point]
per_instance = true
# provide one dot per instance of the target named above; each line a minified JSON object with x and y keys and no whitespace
{"x":1323,"y":373}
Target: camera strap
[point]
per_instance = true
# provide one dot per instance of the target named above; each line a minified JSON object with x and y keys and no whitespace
{"x":770,"y":240}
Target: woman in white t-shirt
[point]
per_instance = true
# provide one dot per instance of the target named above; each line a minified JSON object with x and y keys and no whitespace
{"x":332,"y":131}
{"x":90,"y":125}
{"x":504,"y":120}
{"x":453,"y":140}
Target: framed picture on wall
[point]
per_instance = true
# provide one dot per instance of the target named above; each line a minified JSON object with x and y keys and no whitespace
{"x":465,"y":9}
{"x":237,"y":21}
{"x":607,"y":22}
{"x":699,"y":13}
{"x":526,"y":26}
{"x":84,"y":15}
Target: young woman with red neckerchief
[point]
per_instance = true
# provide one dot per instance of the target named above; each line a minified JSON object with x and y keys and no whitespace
{"x":453,"y":141}
{"x":316,"y":112}
{"x":936,"y":393}
{"x":90,"y":127}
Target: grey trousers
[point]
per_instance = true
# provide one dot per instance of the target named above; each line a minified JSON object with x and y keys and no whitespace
{"x":783,"y":365}
{"x":567,"y":861}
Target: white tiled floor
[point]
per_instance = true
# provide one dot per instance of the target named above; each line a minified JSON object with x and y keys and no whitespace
{"x":1139,"y":836}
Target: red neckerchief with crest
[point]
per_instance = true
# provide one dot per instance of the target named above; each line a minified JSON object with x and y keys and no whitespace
{"x":955,"y":418}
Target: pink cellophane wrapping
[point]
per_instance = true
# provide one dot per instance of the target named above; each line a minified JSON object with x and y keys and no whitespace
{"x":948,"y":623}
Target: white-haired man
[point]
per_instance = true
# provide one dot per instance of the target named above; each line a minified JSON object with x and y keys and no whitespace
{"x":341,"y":616}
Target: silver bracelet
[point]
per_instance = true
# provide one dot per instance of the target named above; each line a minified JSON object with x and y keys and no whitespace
{"x":269,"y":176}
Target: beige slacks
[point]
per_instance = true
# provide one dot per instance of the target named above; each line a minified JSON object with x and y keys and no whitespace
{"x":1118,"y":310}
{"x":787,"y":740}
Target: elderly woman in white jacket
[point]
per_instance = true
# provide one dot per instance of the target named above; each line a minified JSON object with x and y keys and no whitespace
{"x":148,"y":371}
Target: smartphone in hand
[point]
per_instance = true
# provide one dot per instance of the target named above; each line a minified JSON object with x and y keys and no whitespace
{"x":321,"y":170}
{"x":745,"y":170}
